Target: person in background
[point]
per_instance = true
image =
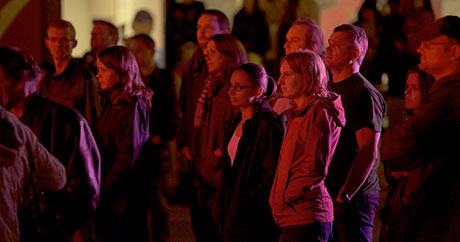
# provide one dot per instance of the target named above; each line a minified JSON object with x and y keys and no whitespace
{"x":251,"y":28}
{"x":163,"y":125}
{"x":224,"y":53}
{"x":425,"y":147}
{"x":65,"y":80}
{"x":299,"y":200}
{"x":210,"y":23}
{"x":251,"y":148}
{"x":121,"y":132}
{"x":352,"y":179}
{"x":418,"y":84}
{"x":19,"y":147}
{"x":103,"y":35}
{"x":65,"y":133}
{"x":303,"y":34}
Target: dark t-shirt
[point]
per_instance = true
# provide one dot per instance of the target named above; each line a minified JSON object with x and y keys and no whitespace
{"x":364,"y":107}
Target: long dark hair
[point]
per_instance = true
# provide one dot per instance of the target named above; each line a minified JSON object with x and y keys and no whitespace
{"x":123,"y":62}
{"x":233,"y":49}
{"x":259,"y":77}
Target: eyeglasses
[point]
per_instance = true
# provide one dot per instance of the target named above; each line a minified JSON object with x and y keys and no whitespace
{"x":238,"y":88}
{"x":429,"y":45}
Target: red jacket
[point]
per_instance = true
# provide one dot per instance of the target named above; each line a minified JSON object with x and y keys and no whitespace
{"x":298,"y":195}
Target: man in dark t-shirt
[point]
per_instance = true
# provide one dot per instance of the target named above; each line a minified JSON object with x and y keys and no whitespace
{"x":352,"y":179}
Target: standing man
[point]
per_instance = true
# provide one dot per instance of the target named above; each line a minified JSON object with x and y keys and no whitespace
{"x":64,"y":133}
{"x":210,"y":23}
{"x":103,"y":36}
{"x":65,"y":80}
{"x":352,"y":180}
{"x":303,"y":34}
{"x":163,"y":125}
{"x":19,"y":147}
{"x":425,"y":148}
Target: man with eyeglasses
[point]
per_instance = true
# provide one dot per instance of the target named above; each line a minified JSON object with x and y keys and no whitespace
{"x":426,"y":147}
{"x":65,"y":80}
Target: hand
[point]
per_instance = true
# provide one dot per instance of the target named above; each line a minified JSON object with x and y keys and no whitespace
{"x":156,"y":140}
{"x":184,"y":161}
{"x":218,"y":152}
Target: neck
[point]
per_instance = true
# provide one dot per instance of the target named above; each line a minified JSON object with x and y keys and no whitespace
{"x":147,"y":70}
{"x":453,"y":69}
{"x":302,"y":101}
{"x":18,"y":108}
{"x":60,"y":65}
{"x":246,"y":113}
{"x":340,"y":74}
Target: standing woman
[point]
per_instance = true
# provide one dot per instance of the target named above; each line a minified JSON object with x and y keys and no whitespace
{"x":121,"y":131}
{"x":223,"y":54}
{"x":300,"y":202}
{"x":397,"y":169}
{"x":251,"y":150}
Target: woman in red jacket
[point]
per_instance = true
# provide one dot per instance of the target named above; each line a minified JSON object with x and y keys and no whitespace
{"x":300,"y":202}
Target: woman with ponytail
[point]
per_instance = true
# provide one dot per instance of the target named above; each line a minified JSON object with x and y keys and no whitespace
{"x":300,"y":202}
{"x":251,"y":149}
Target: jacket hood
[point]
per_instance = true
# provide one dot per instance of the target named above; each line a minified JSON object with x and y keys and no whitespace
{"x":12,"y":138}
{"x":334,"y":104}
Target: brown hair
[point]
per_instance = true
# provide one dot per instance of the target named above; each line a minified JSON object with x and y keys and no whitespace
{"x":19,"y":66}
{"x":123,"y":62}
{"x":62,"y":24}
{"x":358,"y":38}
{"x":222,"y":20}
{"x":233,"y":49}
{"x":310,"y":65}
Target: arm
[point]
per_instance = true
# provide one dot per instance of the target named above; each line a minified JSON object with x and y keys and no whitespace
{"x":51,"y":173}
{"x":368,"y":141}
{"x":319,"y":138}
{"x":130,"y":136}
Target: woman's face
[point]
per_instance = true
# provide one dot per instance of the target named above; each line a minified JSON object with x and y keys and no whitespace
{"x":291,"y":83}
{"x":242,"y":92}
{"x":214,"y":59}
{"x":106,"y":77}
{"x":413,"y":92}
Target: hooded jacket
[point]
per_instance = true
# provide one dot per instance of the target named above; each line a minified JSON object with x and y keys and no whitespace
{"x":298,"y":195}
{"x":243,"y":209}
{"x":19,"y":147}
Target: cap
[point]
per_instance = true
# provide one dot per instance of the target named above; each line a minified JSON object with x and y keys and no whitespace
{"x":448,"y":26}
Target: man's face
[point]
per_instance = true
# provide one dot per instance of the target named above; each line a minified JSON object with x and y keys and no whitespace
{"x":143,"y":54}
{"x":100,"y":38}
{"x":340,"y":51}
{"x":7,"y":89}
{"x":60,"y":43}
{"x":297,"y":38}
{"x":207,"y":27}
{"x":434,"y":55}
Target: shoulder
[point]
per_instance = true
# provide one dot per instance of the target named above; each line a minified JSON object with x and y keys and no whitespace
{"x":62,"y":112}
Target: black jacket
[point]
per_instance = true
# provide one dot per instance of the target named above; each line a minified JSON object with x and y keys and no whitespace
{"x":243,"y":211}
{"x":121,"y":132}
{"x":67,"y":135}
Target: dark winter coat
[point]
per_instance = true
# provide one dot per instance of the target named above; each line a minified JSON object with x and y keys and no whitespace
{"x":243,"y":209}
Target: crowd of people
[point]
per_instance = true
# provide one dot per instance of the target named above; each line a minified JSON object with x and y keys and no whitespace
{"x":293,"y":159}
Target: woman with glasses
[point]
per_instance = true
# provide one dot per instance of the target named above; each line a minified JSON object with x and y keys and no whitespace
{"x":224,"y":53}
{"x":121,"y":131}
{"x":299,"y":200}
{"x":251,"y":149}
